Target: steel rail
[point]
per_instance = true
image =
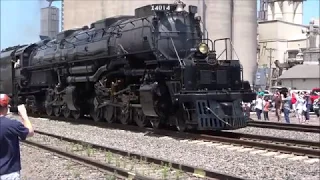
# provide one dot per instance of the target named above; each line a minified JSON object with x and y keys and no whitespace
{"x":194,"y":170}
{"x":274,"y":146}
{"x":273,"y":139}
{"x":119,"y":172}
{"x":282,"y":126}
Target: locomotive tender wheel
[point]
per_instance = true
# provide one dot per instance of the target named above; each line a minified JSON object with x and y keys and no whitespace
{"x":76,"y":114}
{"x":57,"y":111}
{"x":109,"y":114}
{"x":140,"y":119}
{"x":124,"y":115}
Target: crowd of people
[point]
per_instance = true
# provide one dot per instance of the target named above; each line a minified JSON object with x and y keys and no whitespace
{"x":298,"y":104}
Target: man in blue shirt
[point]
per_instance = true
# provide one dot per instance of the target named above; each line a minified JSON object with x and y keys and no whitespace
{"x":10,"y":132}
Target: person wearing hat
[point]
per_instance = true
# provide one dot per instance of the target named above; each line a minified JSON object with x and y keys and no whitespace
{"x":10,"y":132}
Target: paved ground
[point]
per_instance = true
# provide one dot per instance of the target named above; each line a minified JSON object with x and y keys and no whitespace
{"x":314,"y":120}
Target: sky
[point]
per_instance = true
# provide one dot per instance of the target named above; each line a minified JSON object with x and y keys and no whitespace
{"x":20,"y":19}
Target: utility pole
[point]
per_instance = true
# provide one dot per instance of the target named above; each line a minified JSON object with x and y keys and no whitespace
{"x":270,"y":65}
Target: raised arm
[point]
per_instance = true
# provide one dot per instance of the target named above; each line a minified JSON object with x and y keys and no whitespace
{"x":25,"y":120}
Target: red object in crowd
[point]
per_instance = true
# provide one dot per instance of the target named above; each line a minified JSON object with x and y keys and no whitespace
{"x":4,"y":100}
{"x":293,"y":98}
{"x":313,"y":94}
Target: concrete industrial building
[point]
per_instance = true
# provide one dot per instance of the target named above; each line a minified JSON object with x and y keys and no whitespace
{"x":282,"y":37}
{"x":49,"y":21}
{"x":282,"y":41}
{"x":306,"y":75}
{"x":235,"y":19}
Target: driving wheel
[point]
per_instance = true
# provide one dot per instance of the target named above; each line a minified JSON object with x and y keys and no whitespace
{"x":109,"y":114}
{"x":156,"y":122}
{"x":140,"y":118}
{"x":180,"y":124}
{"x":96,"y":114}
{"x":49,"y":110}
{"x":124,"y":115}
{"x":76,"y":114}
{"x":57,"y":111}
{"x":66,"y":112}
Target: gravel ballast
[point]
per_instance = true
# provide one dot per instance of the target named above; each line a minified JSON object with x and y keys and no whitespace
{"x":243,"y":164}
{"x":38,"y":164}
{"x":131,"y":164}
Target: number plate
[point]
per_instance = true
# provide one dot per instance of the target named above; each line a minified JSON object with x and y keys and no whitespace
{"x":162,"y":7}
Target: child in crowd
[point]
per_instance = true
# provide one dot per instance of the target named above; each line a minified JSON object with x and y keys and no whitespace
{"x":266,"y":106}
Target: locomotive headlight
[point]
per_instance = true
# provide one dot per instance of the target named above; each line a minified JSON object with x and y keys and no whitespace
{"x":203,"y":48}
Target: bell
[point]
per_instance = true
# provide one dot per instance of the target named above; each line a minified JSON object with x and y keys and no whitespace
{"x":180,"y":6}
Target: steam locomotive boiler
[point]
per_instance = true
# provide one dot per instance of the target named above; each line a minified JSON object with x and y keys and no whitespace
{"x":151,"y":68}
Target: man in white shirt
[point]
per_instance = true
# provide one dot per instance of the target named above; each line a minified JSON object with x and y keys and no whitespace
{"x":259,"y":106}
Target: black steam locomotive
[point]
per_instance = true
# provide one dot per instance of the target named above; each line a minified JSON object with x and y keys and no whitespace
{"x":151,"y":68}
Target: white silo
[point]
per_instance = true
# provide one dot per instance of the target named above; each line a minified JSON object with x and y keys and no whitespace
{"x":245,"y":36}
{"x":275,"y":10}
{"x":286,"y":10}
{"x":218,"y":21}
{"x":292,"y":11}
{"x":298,"y":12}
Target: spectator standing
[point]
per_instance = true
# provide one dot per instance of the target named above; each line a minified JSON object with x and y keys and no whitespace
{"x":10,"y":133}
{"x":259,"y":106}
{"x":308,"y":106}
{"x":246,"y":109}
{"x":266,"y":105}
{"x":260,"y":92}
{"x":277,"y":103}
{"x":286,"y":100}
{"x":293,"y":102}
{"x":300,"y":106}
{"x":316,"y":106}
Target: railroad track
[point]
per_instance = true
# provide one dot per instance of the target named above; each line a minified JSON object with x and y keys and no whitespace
{"x":285,"y":145}
{"x":142,"y":167}
{"x":282,"y":126}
